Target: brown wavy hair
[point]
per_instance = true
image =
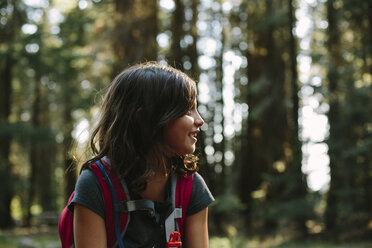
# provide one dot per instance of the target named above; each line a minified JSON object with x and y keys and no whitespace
{"x":139,"y":104}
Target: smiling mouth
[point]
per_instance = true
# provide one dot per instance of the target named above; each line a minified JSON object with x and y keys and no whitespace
{"x":194,"y":134}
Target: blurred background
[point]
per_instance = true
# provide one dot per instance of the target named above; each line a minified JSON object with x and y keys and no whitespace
{"x":285,"y":89}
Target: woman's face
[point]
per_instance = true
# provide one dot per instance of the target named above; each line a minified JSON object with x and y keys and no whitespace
{"x":181,"y":133}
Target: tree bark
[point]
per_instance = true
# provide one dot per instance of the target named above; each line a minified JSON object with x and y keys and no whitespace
{"x":296,"y":190}
{"x":69,"y":165}
{"x":193,"y":51}
{"x":267,"y":124}
{"x":368,"y":167}
{"x":176,"y":52}
{"x":220,"y":102}
{"x":6,"y":183}
{"x":35,"y":156}
{"x":331,"y":214}
{"x":135,"y":31}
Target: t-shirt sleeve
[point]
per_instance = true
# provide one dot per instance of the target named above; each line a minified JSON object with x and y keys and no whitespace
{"x":88,"y":193}
{"x":201,"y":196}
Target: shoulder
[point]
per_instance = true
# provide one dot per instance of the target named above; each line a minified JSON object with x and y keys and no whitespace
{"x":200,"y":187}
{"x":87,"y":175}
{"x":201,"y":196}
{"x":88,"y":193}
{"x":198,"y":179}
{"x":87,"y":181}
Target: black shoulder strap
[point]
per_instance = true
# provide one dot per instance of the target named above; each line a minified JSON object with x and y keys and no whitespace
{"x":135,"y":205}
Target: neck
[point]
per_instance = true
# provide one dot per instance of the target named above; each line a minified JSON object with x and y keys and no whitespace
{"x":155,"y":189}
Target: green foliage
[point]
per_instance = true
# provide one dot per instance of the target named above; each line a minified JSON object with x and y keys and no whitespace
{"x":286,"y":211}
{"x":227,"y":204}
{"x":25,"y":133}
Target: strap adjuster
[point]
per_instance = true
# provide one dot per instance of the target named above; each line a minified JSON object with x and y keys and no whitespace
{"x":135,"y":205}
{"x":178,"y":213}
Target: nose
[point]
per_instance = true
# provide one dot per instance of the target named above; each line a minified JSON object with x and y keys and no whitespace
{"x":198,"y":120}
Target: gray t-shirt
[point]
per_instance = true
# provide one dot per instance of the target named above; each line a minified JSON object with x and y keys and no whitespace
{"x":143,"y":230}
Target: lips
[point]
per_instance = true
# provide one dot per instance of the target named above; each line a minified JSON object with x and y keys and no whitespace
{"x":194,"y":134}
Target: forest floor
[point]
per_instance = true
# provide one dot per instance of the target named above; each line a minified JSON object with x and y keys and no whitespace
{"x":223,"y":242}
{"x":46,"y":237}
{"x":34,"y":237}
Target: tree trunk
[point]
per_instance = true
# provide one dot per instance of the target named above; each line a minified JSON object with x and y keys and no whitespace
{"x":331,"y":214}
{"x":176,"y":53}
{"x":69,"y":165}
{"x":9,"y":33}
{"x":46,"y":160}
{"x":267,"y":124}
{"x":368,"y":166}
{"x":369,"y":34}
{"x":35,"y":155}
{"x":135,"y":31}
{"x":6,"y":182}
{"x":45,"y":178}
{"x":220,"y":147}
{"x":193,"y":52}
{"x":297,"y":189}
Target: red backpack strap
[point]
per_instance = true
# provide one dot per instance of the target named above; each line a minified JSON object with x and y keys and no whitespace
{"x":121,"y":195}
{"x":65,"y":226}
{"x":183,"y":195}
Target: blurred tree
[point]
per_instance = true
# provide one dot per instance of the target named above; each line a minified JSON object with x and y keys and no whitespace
{"x":333,"y":115}
{"x":271,"y":169}
{"x":208,"y":77}
{"x":176,"y":52}
{"x":265,"y":100}
{"x":219,"y":120}
{"x":192,"y":48}
{"x":239,"y":41}
{"x":183,"y":53}
{"x":359,"y":102}
{"x":349,"y":86}
{"x":42,"y":145}
{"x":35,"y":153}
{"x":134,"y":33}
{"x":295,"y":188}
{"x":72,"y":62}
{"x":367,"y":72}
{"x":12,"y":19}
{"x":218,"y":123}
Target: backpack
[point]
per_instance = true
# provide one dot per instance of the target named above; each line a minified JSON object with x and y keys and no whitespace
{"x":118,"y":207}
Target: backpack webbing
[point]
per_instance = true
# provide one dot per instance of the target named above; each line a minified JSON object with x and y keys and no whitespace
{"x":182,"y":198}
{"x":121,"y":219}
{"x":114,"y":197}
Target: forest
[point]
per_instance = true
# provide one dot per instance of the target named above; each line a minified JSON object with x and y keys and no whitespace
{"x":285,"y":89}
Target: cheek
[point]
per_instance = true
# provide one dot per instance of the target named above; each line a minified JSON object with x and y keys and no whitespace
{"x":178,"y":130}
{"x":173,"y":134}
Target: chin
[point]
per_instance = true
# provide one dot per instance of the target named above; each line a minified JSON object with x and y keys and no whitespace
{"x":191,"y":151}
{"x":186,"y":151}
